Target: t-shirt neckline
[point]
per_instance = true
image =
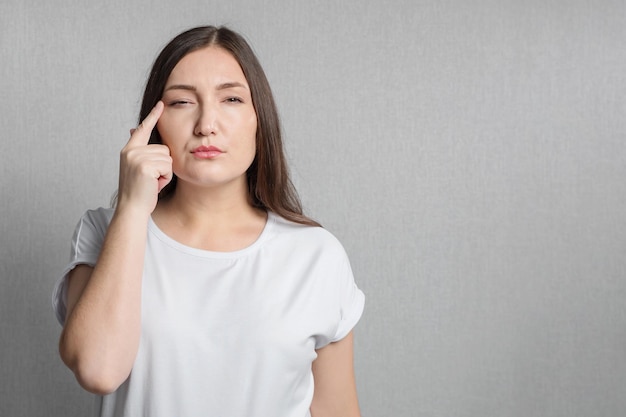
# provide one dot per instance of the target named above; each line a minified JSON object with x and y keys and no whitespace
{"x":263,"y":236}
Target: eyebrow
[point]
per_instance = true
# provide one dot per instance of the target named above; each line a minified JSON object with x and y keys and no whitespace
{"x":234,"y":84}
{"x":223,"y":86}
{"x":181,"y":87}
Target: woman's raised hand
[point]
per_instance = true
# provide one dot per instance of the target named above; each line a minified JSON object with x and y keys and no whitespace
{"x":144,"y":168}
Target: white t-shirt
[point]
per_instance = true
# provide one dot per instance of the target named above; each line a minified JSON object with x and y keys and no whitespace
{"x":228,"y":334}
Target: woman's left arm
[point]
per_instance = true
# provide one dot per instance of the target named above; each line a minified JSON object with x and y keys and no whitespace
{"x":335,"y":386}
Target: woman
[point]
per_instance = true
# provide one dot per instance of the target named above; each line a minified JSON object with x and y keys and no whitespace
{"x":206,"y":291}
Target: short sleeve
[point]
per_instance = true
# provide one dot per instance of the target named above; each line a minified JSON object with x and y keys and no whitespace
{"x":85,"y":249}
{"x":351,"y":300}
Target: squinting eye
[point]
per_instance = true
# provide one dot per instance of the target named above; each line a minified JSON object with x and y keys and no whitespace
{"x":234,"y":100}
{"x":178,"y":103}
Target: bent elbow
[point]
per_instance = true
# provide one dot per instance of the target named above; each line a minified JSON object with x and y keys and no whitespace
{"x":96,"y":377}
{"x":100,"y":384}
{"x":92,"y":375}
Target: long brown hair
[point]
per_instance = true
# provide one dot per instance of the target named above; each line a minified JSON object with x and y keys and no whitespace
{"x":269,"y":185}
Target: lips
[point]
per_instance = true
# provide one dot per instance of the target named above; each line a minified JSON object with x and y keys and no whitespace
{"x":206,"y":152}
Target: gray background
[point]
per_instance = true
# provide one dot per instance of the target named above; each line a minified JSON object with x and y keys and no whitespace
{"x":469,"y":154}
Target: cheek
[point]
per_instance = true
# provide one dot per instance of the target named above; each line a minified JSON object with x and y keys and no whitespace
{"x":162,"y":128}
{"x":166,"y":128}
{"x":252,"y":128}
{"x":252,"y":137}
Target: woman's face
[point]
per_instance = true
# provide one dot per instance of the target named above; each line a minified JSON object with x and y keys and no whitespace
{"x":209,"y":122}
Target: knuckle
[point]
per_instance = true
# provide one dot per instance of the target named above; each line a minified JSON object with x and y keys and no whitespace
{"x":145,"y":169}
{"x":126,"y":151}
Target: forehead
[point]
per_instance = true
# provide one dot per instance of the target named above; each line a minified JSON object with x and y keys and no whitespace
{"x":211,"y":64}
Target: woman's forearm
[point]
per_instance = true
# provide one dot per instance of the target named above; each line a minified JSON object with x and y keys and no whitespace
{"x":101,"y":334}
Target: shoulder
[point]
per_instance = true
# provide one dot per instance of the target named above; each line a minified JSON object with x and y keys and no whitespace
{"x":98,"y":218}
{"x":93,"y":224}
{"x":313,"y":238}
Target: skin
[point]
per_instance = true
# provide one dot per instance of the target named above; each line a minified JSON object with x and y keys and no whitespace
{"x":206,"y":102}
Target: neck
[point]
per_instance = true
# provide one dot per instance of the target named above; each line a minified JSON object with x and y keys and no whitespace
{"x":217,"y":204}
{"x":219,"y":218}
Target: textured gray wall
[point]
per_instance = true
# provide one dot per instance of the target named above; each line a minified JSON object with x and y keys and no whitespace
{"x":469,"y":154}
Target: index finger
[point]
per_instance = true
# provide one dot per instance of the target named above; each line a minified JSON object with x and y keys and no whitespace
{"x":141,"y":134}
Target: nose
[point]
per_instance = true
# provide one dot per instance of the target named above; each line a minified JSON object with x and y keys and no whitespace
{"x":206,"y":123}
